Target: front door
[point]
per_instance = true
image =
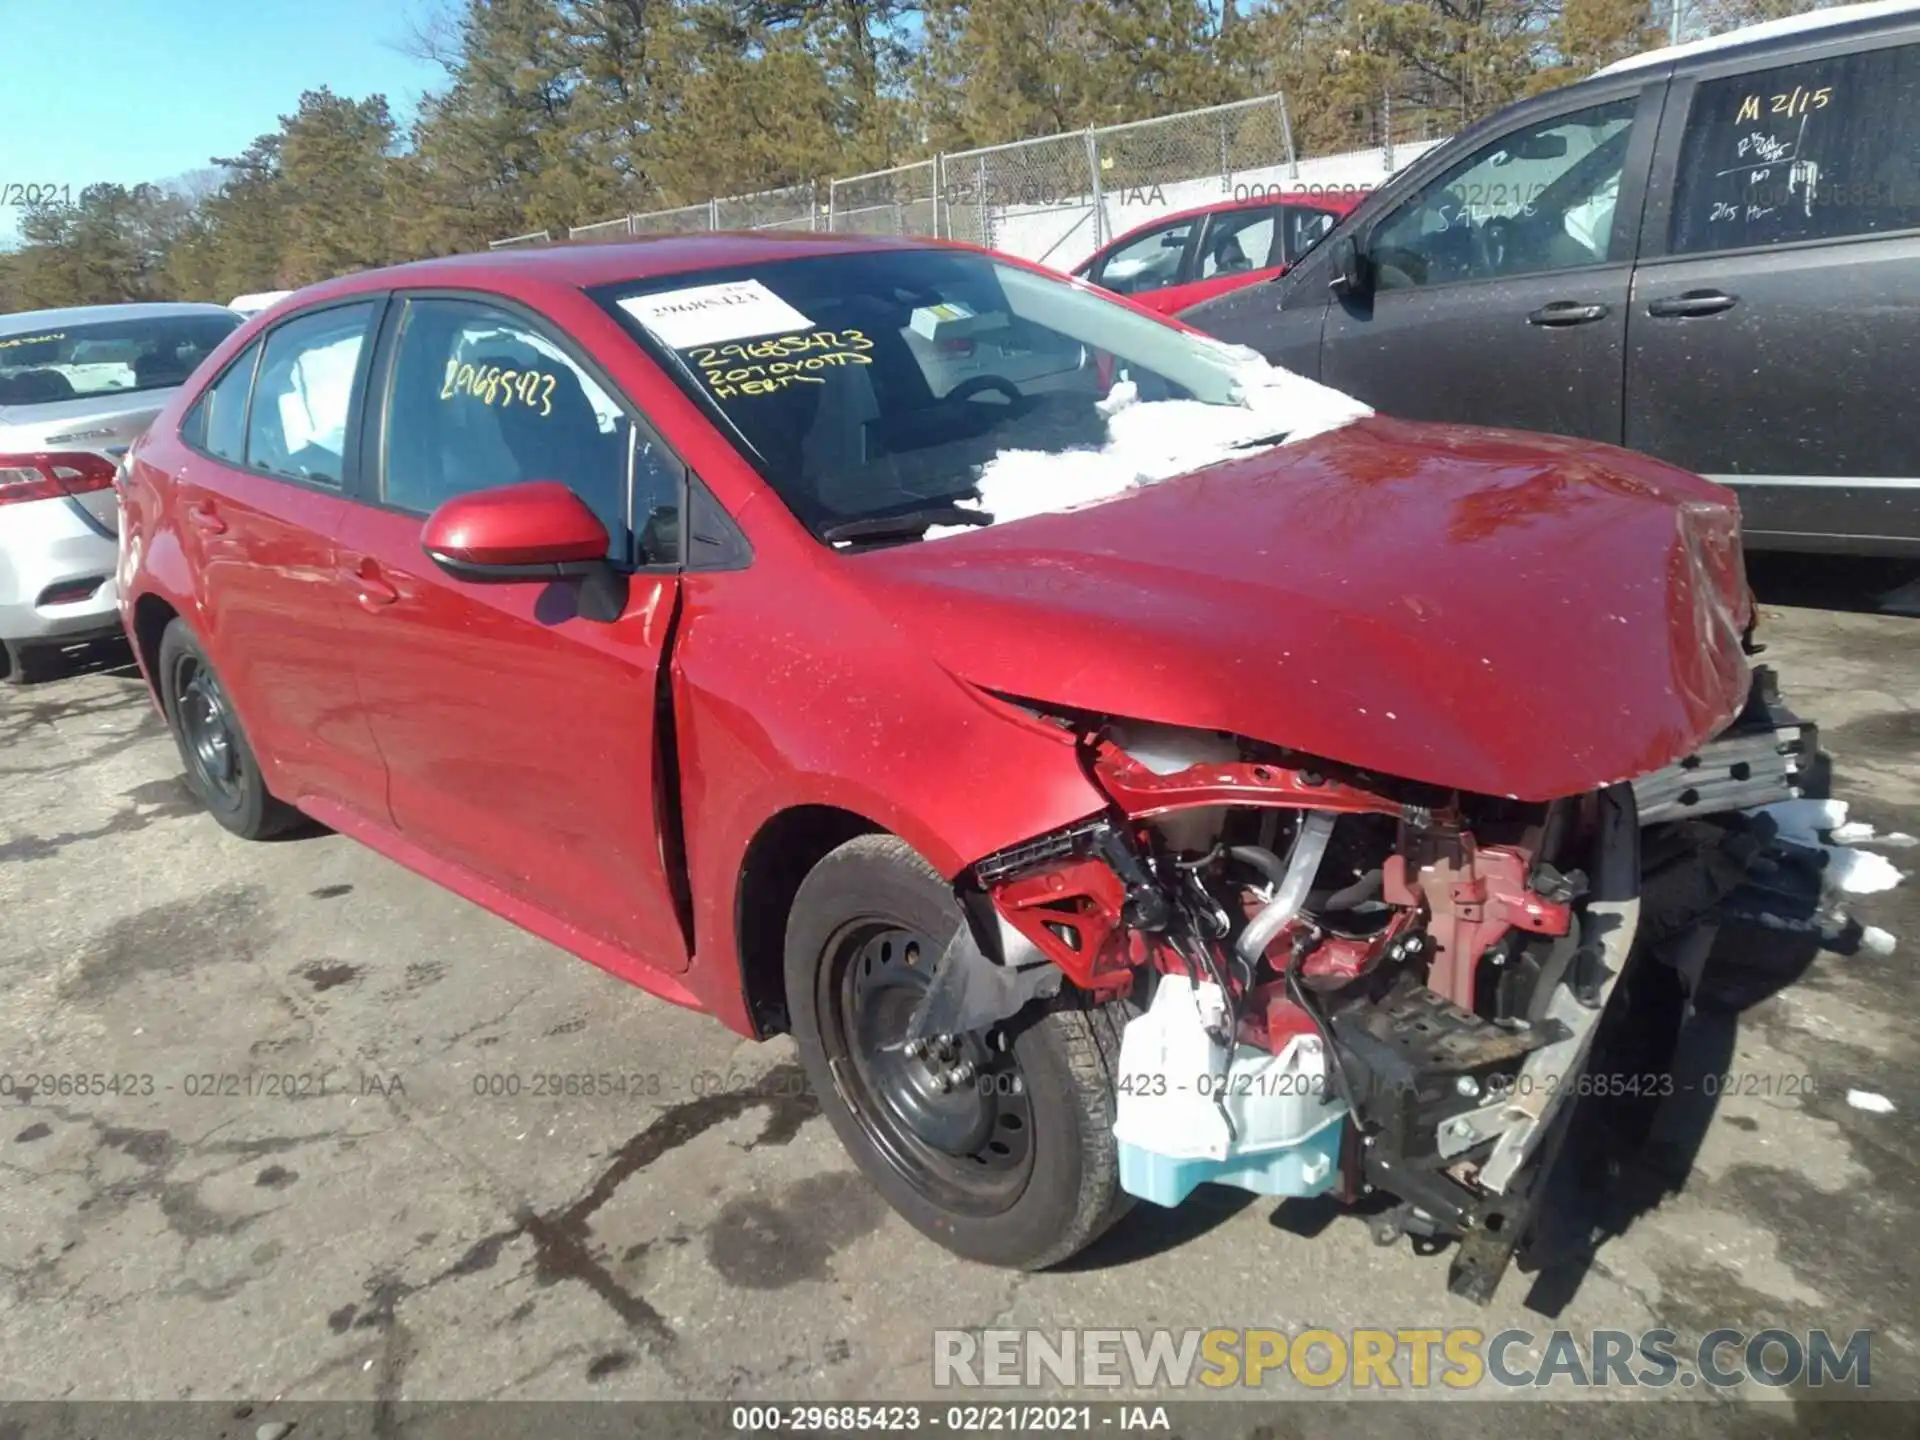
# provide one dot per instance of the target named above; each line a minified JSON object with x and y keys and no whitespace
{"x":519,"y":735}
{"x":1146,"y":265}
{"x":1500,"y":287}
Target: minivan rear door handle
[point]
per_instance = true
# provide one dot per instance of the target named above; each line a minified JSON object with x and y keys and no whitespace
{"x":1694,"y":302}
{"x":1567,"y":312}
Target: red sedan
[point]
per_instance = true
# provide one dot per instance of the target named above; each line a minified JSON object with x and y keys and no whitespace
{"x":1118,"y":763}
{"x":1179,"y":260}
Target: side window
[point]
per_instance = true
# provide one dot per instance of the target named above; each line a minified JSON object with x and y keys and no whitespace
{"x":1816,"y":151}
{"x":1304,"y":228}
{"x":1238,"y":241}
{"x":217,"y":423}
{"x":479,"y":399}
{"x":657,"y":480}
{"x":1538,"y":198}
{"x":1148,"y":262}
{"x":297,"y":426}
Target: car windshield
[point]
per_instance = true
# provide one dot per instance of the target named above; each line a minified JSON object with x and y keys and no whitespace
{"x":71,"y":362}
{"x":881,"y":385}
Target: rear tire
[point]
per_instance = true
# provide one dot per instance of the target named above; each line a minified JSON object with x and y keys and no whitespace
{"x":220,"y":764}
{"x":25,"y":664}
{"x":1017,"y":1167}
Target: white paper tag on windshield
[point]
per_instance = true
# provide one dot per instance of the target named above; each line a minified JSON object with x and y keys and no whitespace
{"x":708,"y":314}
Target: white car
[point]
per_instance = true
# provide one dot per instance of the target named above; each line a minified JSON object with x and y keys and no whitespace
{"x":76,"y":388}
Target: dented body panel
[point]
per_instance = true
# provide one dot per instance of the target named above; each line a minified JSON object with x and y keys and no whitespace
{"x":1508,"y":614}
{"x":780,"y":705}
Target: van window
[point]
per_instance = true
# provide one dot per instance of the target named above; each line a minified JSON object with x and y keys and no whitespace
{"x":1814,"y":151}
{"x":1539,"y":198}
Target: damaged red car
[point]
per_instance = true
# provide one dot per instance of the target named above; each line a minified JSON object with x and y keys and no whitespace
{"x":1118,"y":764}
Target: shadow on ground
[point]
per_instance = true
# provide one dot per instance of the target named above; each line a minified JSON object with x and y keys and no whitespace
{"x":1836,"y":582}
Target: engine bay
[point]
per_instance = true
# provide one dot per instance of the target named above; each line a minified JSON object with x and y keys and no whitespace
{"x":1355,"y":985}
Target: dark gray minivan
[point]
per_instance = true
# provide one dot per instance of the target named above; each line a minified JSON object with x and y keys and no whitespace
{"x":1709,"y":253}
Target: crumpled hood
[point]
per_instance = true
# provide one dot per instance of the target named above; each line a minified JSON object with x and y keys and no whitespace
{"x":1503,"y":613}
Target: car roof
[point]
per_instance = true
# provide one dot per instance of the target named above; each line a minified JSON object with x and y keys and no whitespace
{"x":1769,"y":30}
{"x":585,"y":264}
{"x":23,"y":321}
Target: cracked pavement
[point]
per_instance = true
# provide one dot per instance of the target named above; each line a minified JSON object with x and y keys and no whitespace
{"x":310,"y":1154}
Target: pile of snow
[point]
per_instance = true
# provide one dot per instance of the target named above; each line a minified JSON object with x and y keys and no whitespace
{"x":1158,"y":439}
{"x":1818,"y":825}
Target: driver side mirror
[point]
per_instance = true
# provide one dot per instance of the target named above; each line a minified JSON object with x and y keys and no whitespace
{"x":1352,"y":268}
{"x":537,"y":530}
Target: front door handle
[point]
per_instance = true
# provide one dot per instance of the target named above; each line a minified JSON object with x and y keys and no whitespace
{"x":370,"y":590}
{"x":204,"y":517}
{"x":1567,"y":312}
{"x":1694,"y":302}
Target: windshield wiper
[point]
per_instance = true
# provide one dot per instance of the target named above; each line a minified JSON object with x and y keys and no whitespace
{"x":912,"y":522}
{"x":1279,"y":437}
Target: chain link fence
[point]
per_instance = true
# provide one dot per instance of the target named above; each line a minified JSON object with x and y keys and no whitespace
{"x":532,"y":237}
{"x":1059,"y":198}
{"x":901,"y":201}
{"x":681,"y":220}
{"x":602,"y":230}
{"x":788,"y":208}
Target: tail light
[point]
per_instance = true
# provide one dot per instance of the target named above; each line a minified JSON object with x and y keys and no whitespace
{"x":52,"y":474}
{"x":957,"y":349}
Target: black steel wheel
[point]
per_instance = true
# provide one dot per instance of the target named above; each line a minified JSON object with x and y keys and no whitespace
{"x":207,"y":735}
{"x":220,"y":764}
{"x":998,"y":1144}
{"x":952,"y":1114}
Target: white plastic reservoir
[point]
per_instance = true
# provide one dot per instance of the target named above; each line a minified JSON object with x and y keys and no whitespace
{"x":1279,"y":1135}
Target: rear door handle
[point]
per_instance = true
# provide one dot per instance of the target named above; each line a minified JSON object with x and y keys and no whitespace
{"x":205,"y":517}
{"x":1694,"y":302}
{"x":370,"y":590}
{"x":1567,"y":312}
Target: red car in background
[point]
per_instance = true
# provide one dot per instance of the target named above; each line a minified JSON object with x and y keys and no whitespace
{"x":1119,"y":764}
{"x":1179,"y":260}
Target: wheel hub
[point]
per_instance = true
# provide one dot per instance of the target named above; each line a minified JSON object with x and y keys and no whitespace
{"x":206,"y":725}
{"x":950,"y":1111}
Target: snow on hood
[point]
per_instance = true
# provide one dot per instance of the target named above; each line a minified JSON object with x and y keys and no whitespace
{"x":1156,"y":440}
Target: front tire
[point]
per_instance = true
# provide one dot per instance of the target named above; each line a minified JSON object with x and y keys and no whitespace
{"x":1014,"y":1163}
{"x":220,"y":764}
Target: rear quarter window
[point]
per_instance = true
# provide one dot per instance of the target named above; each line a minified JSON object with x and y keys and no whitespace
{"x":1820,"y":150}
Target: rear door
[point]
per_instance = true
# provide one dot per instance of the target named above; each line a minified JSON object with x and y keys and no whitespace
{"x":261,"y":496}
{"x":1501,"y":284}
{"x":1775,"y":325}
{"x":519,"y":736}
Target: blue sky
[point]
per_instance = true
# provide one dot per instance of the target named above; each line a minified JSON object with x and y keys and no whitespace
{"x":132,"y":90}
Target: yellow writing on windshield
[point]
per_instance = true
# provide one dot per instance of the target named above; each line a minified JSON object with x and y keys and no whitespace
{"x":781,"y":347}
{"x":14,"y":340}
{"x":766,"y":367}
{"x":498,"y":385}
